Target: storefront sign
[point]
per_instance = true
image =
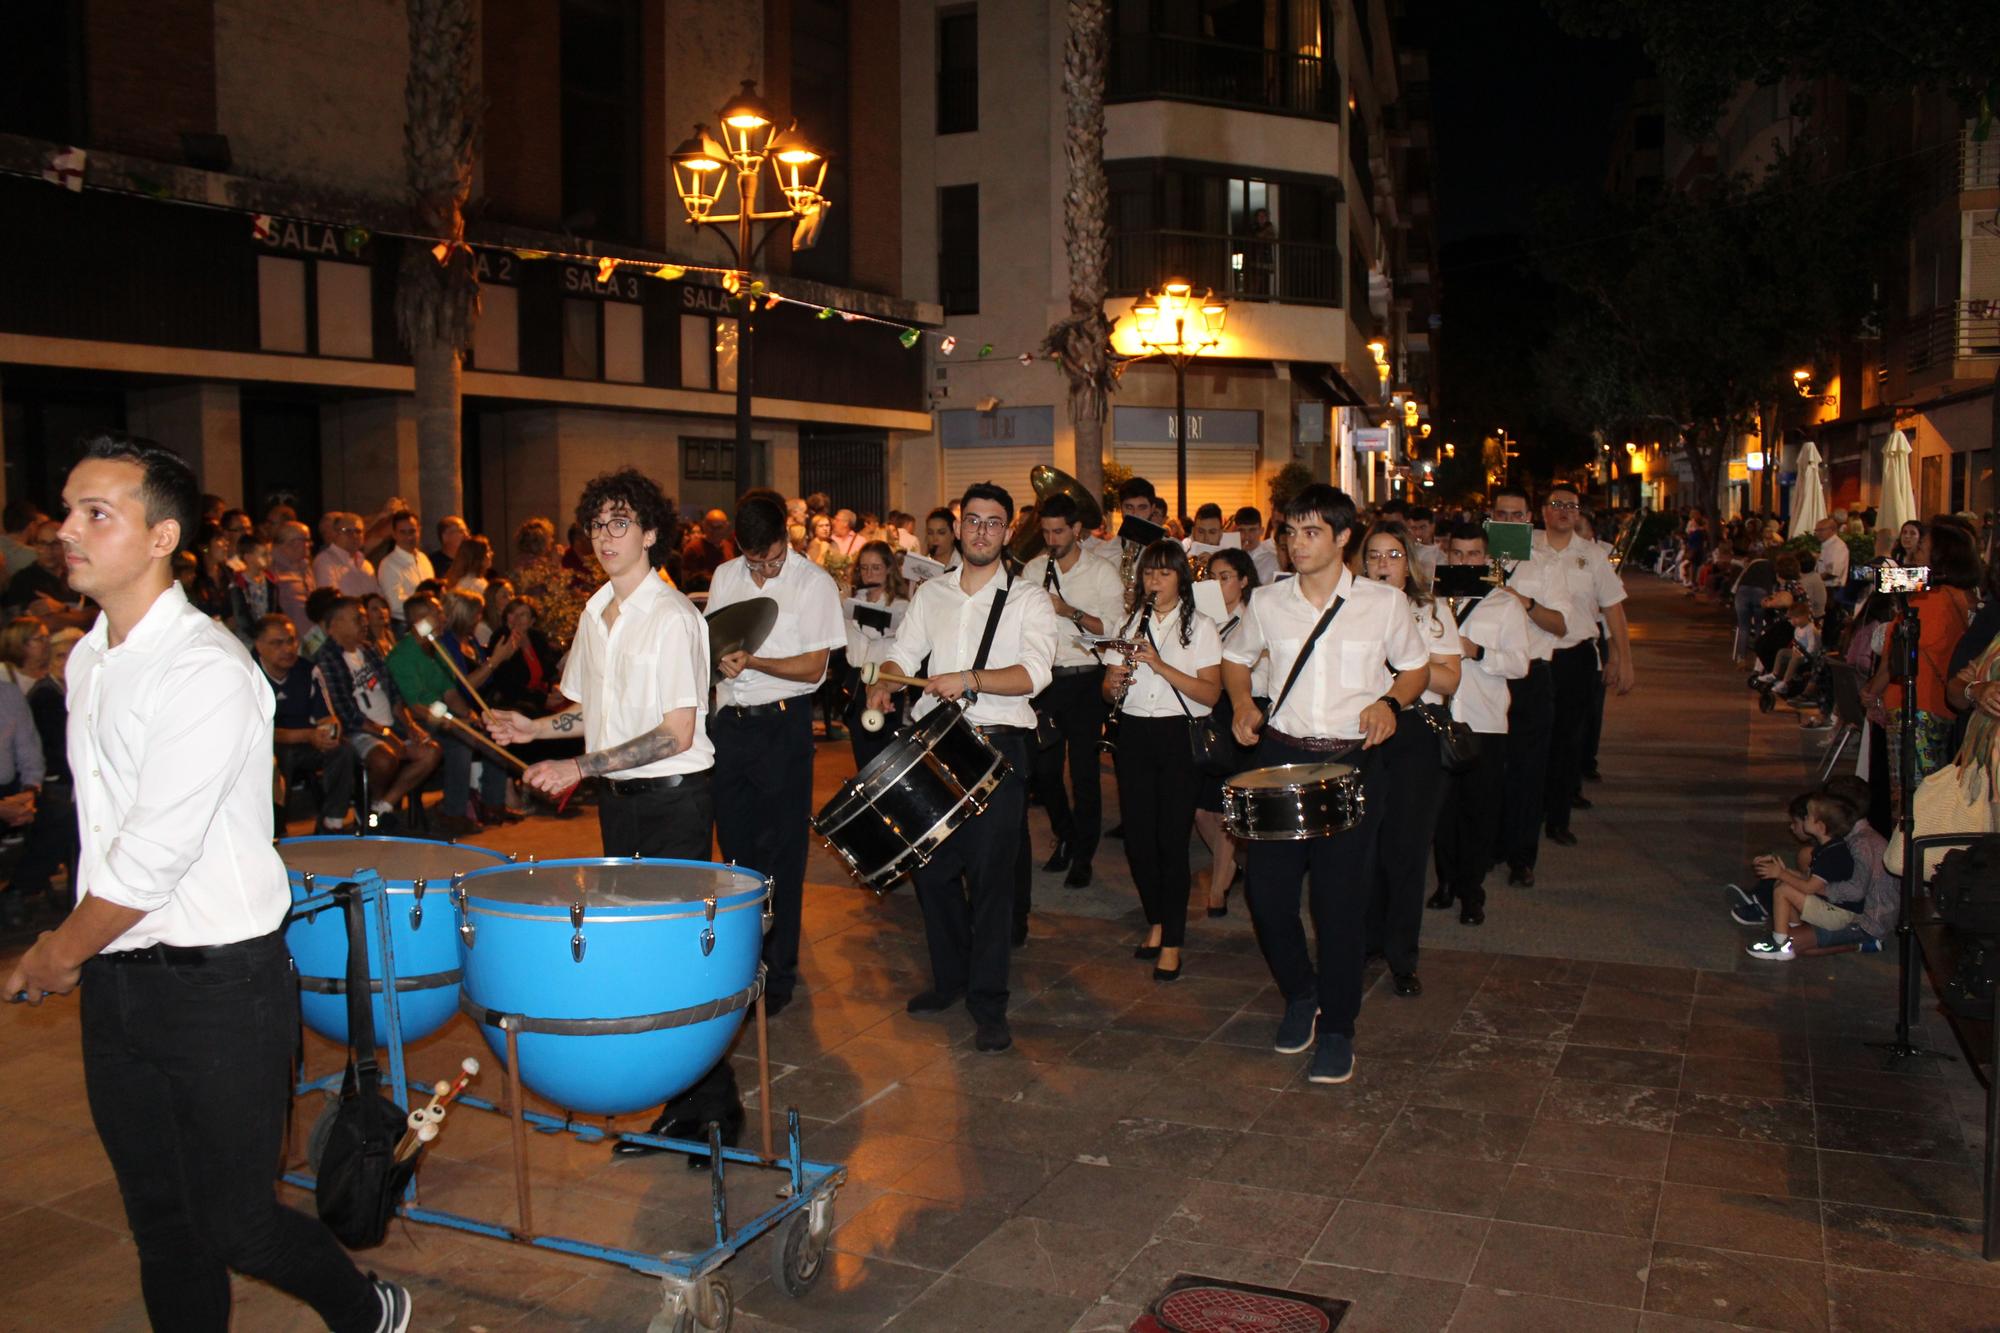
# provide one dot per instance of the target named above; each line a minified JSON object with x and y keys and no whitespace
{"x":621,"y":285}
{"x":1210,"y":427}
{"x":1372,"y":440}
{"x":698,"y":299}
{"x":496,"y":268}
{"x":967,"y":428}
{"x":314,"y":238}
{"x":1312,"y":423}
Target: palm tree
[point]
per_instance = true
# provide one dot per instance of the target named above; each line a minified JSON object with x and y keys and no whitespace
{"x":1082,"y":342}
{"x":437,"y":299}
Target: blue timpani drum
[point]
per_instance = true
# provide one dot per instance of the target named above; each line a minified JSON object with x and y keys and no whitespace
{"x":624,"y":980}
{"x":417,"y":874}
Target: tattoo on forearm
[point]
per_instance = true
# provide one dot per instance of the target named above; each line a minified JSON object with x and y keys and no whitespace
{"x":646,"y":749}
{"x":566,"y":722}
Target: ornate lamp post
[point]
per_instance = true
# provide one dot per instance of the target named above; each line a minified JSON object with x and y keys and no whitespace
{"x":703,"y":168}
{"x":1176,"y":324}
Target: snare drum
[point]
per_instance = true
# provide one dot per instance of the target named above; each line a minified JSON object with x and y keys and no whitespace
{"x":891,"y":816}
{"x":1292,"y":802}
{"x":624,"y":981}
{"x":415,"y":873}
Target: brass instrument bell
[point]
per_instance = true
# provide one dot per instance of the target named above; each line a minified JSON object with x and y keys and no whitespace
{"x":1047,"y":481}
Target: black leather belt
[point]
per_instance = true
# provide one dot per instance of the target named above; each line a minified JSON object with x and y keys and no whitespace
{"x":163,"y":955}
{"x":640,"y":786}
{"x":1075,"y":670}
{"x":1314,"y":744}
{"x":760,"y":710}
{"x":1004,"y":731}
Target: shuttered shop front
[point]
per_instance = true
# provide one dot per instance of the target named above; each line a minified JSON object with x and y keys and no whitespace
{"x":998,"y":446}
{"x":1221,"y":457}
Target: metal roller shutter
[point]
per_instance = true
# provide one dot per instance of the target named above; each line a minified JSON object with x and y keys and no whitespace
{"x":1007,"y":466}
{"x":1227,"y":477}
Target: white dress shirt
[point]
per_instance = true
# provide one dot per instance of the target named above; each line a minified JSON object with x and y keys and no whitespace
{"x":1439,"y":631}
{"x":1151,"y":695}
{"x":865,"y":643}
{"x":1428,"y":558}
{"x":1372,"y":637}
{"x":809,"y":619}
{"x":946,"y":626}
{"x":1260,"y":674}
{"x":1538,"y":584}
{"x":399,"y":576}
{"x":1586,"y":579}
{"x":628,"y":677}
{"x":1832,"y":562}
{"x":348,"y":571}
{"x":1265,"y":558}
{"x":170,"y":752}
{"x":1499,"y":625}
{"x":1092,"y":586}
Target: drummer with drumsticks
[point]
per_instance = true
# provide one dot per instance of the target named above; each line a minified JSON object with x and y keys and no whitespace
{"x":638,"y":670}
{"x":1350,"y":661}
{"x":991,"y":642}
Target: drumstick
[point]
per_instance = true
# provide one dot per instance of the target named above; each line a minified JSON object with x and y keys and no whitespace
{"x":429,"y":635}
{"x":872,"y":672}
{"x":486,"y":744}
{"x":429,"y":1117}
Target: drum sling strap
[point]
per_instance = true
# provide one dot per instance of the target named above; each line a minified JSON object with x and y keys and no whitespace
{"x":1298,"y":663}
{"x":992,"y":625}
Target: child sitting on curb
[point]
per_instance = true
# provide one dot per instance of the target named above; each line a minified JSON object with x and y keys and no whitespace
{"x":1834,"y":901}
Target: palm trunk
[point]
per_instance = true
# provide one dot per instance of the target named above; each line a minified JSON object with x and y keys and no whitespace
{"x":1081,"y":343}
{"x":440,"y":471}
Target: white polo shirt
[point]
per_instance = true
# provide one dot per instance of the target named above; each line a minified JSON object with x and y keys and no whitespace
{"x":629,"y":676}
{"x":1499,"y":625}
{"x":1439,"y":632}
{"x":945,"y":625}
{"x":1372,"y":637}
{"x":1151,"y":695}
{"x":808,"y":620}
{"x":1092,"y":586}
{"x":170,"y":746}
{"x":1583,"y":574}
{"x":1538,"y":584}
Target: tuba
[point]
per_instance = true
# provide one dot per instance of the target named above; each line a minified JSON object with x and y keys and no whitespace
{"x":1046,"y":481}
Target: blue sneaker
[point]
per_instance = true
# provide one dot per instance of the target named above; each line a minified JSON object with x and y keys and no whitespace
{"x":1333,"y":1062}
{"x":1744,"y":909}
{"x":1295,"y":1032}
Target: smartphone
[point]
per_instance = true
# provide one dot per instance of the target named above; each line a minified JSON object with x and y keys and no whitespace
{"x":1897,"y":578}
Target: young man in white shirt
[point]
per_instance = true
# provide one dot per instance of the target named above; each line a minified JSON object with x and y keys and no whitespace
{"x":638,"y":671}
{"x":1531,"y":700}
{"x":1250,"y":531}
{"x":1084,"y":592}
{"x":762,"y":723}
{"x":967,"y":889}
{"x":1368,"y":665}
{"x":189,"y":1007}
{"x":404,"y":567}
{"x":1590,"y":587}
{"x":1493,"y":633}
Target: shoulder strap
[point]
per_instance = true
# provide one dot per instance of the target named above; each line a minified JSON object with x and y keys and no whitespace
{"x":992,"y":625}
{"x":1305,"y":652}
{"x":360,"y":1004}
{"x":1170,"y":685}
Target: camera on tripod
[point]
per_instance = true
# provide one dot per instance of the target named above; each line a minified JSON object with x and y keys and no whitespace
{"x":1894,"y":578}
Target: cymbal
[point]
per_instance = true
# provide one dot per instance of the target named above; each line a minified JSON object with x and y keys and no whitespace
{"x":740,"y":627}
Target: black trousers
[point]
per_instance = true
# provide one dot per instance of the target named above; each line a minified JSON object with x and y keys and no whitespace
{"x":1530,"y":712}
{"x":188,"y":1070}
{"x":1411,"y":768}
{"x":1076,"y":815}
{"x":1156,"y":791}
{"x":1574,"y":679}
{"x":763,"y":813}
{"x":335,"y":767}
{"x":1469,"y":821}
{"x":1593,"y":723}
{"x":967,"y":893}
{"x":1342,"y":872}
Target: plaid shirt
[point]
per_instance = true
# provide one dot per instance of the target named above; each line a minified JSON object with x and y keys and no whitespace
{"x":332,"y":664}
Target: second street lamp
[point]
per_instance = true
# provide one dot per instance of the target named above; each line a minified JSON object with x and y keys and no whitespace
{"x":703,"y":168}
{"x":1176,"y":324}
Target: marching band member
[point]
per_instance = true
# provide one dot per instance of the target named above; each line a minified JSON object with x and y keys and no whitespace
{"x":879,"y":583}
{"x":991,"y":643}
{"x":1531,"y":710}
{"x":1235,"y":573}
{"x":1350,"y":659}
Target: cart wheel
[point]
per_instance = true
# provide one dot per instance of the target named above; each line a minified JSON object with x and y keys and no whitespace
{"x":321,"y":1131}
{"x":797,"y":1259}
{"x":706,"y":1307}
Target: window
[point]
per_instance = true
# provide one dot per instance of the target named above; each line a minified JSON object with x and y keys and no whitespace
{"x":958,"y":249}
{"x":579,"y":327}
{"x":1248,"y":238}
{"x":820,"y":91}
{"x":346,"y":315}
{"x":496,"y":338}
{"x":958,"y":71}
{"x":697,"y":352}
{"x":281,"y":304}
{"x":600,"y":118}
{"x":41,"y":72}
{"x":707,"y":460}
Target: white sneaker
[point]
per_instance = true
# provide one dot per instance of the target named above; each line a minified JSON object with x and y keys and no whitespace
{"x":395,"y":1307}
{"x":1766,"y":949}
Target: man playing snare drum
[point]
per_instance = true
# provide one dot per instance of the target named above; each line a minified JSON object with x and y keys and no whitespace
{"x":1350,"y":661}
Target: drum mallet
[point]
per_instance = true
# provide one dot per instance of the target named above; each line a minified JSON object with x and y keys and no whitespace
{"x":424,"y":1121}
{"x":485,"y":746}
{"x":428,"y":633}
{"x":872,"y":719}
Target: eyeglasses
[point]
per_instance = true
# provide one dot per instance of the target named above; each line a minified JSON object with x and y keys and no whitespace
{"x":771,"y":566}
{"x":1564,"y":506}
{"x":983,"y":524}
{"x":617,"y":527}
{"x":1386,"y":557}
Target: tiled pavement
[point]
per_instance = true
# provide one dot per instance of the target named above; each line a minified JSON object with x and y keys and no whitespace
{"x":1537,"y":1143}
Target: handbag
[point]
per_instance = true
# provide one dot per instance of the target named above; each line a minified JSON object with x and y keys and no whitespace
{"x":360,"y":1183}
{"x":1458,"y":747}
{"x":1212,"y":748}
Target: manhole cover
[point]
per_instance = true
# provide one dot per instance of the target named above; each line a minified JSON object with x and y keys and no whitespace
{"x":1193,"y":1304}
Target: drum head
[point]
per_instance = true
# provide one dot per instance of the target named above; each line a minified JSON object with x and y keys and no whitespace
{"x":400,"y":859}
{"x":611,"y":883}
{"x":1290,"y":775}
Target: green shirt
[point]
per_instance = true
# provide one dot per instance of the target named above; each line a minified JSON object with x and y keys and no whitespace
{"x":422,"y":679}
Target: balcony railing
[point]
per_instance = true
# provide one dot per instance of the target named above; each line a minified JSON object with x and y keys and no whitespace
{"x":1241,"y":268}
{"x":1961,"y":331}
{"x":1194,"y":69}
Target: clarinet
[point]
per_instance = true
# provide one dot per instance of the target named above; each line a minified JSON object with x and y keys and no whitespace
{"x":1125,"y":686}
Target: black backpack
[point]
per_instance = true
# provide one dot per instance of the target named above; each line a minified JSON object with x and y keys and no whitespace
{"x":1966,"y":889}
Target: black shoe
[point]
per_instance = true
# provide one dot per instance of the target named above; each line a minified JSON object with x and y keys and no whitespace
{"x":1581,"y":802}
{"x":1561,"y":837}
{"x":1078,"y":876}
{"x":1408,"y":984}
{"x":1162,"y":974}
{"x":1059,"y":858}
{"x":775,"y":1002}
{"x":687,"y":1129}
{"x":1592,"y":775}
{"x":1222,"y":910}
{"x":1020,"y":936}
{"x":1521,"y":877}
{"x":993,"y":1036}
{"x":929,"y":1002}
{"x":1471,"y":916}
{"x":1440,"y":900}
{"x":1146,"y":951}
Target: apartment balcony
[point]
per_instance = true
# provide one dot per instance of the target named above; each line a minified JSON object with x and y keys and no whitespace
{"x":1240,"y":268}
{"x":1147,"y":66}
{"x":1945,"y":347}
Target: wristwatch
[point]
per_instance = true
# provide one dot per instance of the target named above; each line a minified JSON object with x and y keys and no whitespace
{"x":1394,"y":705}
{"x":1076,"y":617}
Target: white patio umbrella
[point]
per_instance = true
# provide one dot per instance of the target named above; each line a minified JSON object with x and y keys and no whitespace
{"x":1809,"y":491}
{"x":1899,"y":503}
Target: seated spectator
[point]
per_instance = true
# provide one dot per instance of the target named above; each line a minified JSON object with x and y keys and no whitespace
{"x":24,"y":653}
{"x":417,"y":666}
{"x":706,"y":549}
{"x":42,"y":589}
{"x":395,"y":751}
{"x":493,"y":620}
{"x":253,"y":593}
{"x":380,"y":627}
{"x":469,"y":568}
{"x":341,"y":563}
{"x":1793,"y":670}
{"x":319,"y":604}
{"x":1836,"y":899}
{"x":305,"y":735}
{"x":52,"y":839}
{"x":21,"y":770}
